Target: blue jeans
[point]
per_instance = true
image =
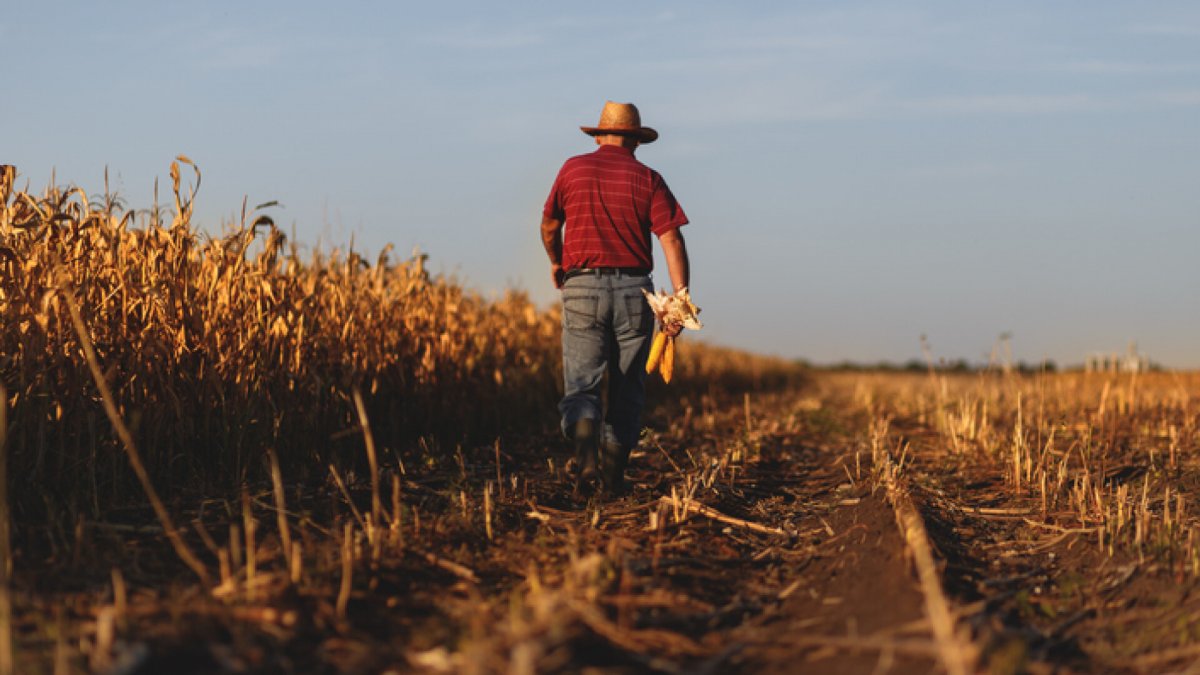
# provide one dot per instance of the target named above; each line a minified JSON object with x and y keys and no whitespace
{"x":607,"y":325}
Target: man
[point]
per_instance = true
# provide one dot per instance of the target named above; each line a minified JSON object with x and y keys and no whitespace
{"x":596,"y":228}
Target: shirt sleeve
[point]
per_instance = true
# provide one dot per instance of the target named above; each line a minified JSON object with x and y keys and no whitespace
{"x":665,"y":212}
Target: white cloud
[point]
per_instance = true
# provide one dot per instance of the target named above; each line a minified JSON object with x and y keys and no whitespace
{"x":484,"y":40}
{"x":1168,"y":29}
{"x":1005,"y":104}
{"x":968,"y":170}
{"x":1105,"y":67}
{"x":762,"y":103}
{"x":1179,"y":97}
{"x":243,"y":56}
{"x":236,"y":48}
{"x":524,"y":34}
{"x":773,"y":102}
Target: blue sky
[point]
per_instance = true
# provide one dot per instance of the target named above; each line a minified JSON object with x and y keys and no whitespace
{"x":857,"y":173}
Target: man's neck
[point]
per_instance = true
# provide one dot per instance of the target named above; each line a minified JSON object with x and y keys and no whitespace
{"x":616,"y":148}
{"x":626,"y":142}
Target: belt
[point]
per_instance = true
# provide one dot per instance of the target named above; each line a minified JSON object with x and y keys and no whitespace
{"x":607,"y":271}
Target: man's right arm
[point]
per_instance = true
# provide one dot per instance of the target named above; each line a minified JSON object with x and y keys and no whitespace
{"x":552,"y":241}
{"x":675,"y":252}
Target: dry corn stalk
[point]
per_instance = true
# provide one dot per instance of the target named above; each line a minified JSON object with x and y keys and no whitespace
{"x":215,"y":342}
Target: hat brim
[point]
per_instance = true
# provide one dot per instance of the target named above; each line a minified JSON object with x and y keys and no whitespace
{"x":643,"y":134}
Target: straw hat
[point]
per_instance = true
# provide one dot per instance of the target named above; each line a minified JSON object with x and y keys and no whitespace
{"x":621,"y":119}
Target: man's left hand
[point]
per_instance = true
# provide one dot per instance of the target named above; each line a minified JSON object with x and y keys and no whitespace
{"x":672,"y":329}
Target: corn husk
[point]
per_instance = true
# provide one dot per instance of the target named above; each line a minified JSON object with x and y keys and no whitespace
{"x":677,"y":308}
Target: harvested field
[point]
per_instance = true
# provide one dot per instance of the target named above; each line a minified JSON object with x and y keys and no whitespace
{"x":352,"y":466}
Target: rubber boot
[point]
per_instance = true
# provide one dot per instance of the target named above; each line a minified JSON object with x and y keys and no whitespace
{"x":613,"y":459}
{"x":587,"y":440}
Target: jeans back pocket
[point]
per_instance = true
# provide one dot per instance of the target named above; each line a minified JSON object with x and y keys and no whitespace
{"x":579,"y":310}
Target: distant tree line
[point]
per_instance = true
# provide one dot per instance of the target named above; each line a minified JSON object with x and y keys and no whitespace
{"x":946,"y":366}
{"x":941,"y":366}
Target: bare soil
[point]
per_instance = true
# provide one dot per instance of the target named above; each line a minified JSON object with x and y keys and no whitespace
{"x":793,"y":562}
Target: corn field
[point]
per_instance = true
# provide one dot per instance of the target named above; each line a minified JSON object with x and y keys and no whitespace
{"x":217,"y":348}
{"x":1012,"y":522}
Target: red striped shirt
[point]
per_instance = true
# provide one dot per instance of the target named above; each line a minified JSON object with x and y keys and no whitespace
{"x":610,"y":203}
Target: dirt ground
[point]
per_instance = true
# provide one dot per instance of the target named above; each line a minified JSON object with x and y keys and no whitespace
{"x":758,"y":537}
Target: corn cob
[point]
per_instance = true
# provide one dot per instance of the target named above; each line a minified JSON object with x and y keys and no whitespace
{"x":667,"y":367}
{"x":675,"y":309}
{"x":656,"y":351}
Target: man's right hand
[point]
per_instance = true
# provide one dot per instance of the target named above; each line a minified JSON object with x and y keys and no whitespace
{"x":556,"y":274}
